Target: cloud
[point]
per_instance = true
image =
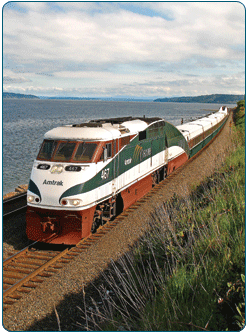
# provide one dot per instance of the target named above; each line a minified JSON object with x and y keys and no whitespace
{"x":121,"y":36}
{"x":7,"y":79}
{"x":84,"y":40}
{"x":187,"y":85}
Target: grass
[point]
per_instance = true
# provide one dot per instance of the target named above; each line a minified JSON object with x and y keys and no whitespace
{"x":188,"y":272}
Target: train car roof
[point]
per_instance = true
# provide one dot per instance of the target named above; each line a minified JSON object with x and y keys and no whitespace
{"x":196,"y":127}
{"x":105,"y":129}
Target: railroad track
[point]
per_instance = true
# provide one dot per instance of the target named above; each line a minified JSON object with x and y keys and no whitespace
{"x":27,"y":269}
{"x":14,"y":205}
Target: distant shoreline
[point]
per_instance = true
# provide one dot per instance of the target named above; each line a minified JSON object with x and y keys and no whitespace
{"x":8,"y":95}
{"x":214,"y":98}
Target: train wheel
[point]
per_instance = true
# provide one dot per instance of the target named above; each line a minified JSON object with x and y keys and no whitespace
{"x":107,"y":211}
{"x":97,"y":220}
{"x":165,"y":172}
{"x":155,"y":178}
{"x":158,"y":176}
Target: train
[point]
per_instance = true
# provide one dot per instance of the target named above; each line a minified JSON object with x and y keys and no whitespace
{"x":86,"y":174}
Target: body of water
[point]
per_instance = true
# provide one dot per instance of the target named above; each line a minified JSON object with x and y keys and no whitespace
{"x":25,"y":121}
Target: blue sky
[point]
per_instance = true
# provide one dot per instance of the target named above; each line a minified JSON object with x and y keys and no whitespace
{"x":108,"y":49}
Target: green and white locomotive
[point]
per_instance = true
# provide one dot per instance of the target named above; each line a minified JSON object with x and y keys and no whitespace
{"x":86,"y":174}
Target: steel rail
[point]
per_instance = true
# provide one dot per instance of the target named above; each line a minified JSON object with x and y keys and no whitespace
{"x":14,"y":211}
{"x":12,"y":205}
{"x":33,"y":274}
{"x":23,"y":251}
{"x":16,"y":255}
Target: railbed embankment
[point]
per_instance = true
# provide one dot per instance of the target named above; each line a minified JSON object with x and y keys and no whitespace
{"x":65,"y":289}
{"x":14,"y":236}
{"x":19,"y":189}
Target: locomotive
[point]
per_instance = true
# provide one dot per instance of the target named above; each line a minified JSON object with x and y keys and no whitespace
{"x":86,"y":174}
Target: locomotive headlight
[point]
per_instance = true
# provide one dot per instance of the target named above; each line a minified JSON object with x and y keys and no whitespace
{"x":71,"y":202}
{"x":30,"y":198}
{"x":75,"y":202}
{"x":56,"y":168}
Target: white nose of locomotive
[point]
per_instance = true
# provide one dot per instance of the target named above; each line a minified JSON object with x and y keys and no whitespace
{"x":50,"y":180}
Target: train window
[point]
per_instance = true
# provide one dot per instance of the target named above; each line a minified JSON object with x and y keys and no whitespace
{"x":85,"y":152}
{"x":108,"y":147}
{"x":64,"y":151}
{"x":47,"y":150}
{"x":142,"y":135}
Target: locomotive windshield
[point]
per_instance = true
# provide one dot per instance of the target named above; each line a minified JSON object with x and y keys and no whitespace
{"x":65,"y":151}
{"x":47,"y":150}
{"x":85,"y":152}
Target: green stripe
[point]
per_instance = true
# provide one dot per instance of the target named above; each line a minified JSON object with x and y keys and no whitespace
{"x":33,"y":188}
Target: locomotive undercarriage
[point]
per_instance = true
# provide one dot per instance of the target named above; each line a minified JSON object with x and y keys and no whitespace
{"x":104,"y":212}
{"x":159,"y":175}
{"x":107,"y":211}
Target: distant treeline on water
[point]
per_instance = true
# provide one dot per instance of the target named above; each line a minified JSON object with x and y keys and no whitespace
{"x":13,"y":95}
{"x":214,"y":98}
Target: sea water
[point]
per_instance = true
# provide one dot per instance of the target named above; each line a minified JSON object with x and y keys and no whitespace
{"x":25,"y":121}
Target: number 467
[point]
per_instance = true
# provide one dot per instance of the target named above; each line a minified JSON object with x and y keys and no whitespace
{"x":105,"y":174}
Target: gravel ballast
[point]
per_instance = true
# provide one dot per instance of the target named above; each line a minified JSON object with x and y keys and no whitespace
{"x":63,"y":291}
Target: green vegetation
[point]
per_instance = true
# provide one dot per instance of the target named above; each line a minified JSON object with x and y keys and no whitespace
{"x":215,"y":98}
{"x":188,"y":272}
{"x":13,"y":95}
{"x":239,"y":119}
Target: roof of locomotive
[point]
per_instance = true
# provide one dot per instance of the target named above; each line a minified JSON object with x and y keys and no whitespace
{"x":101,"y":129}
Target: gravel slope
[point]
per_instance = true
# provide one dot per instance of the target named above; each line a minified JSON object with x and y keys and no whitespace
{"x":63,"y":291}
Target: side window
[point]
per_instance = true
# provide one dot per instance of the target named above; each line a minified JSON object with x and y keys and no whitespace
{"x":142,"y":135}
{"x":109,"y":149}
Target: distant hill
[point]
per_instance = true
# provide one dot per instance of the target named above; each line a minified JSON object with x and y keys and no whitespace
{"x":215,"y":98}
{"x":13,"y":95}
{"x":115,"y":99}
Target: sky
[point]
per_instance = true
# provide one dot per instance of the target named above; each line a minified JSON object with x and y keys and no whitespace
{"x":124,"y":49}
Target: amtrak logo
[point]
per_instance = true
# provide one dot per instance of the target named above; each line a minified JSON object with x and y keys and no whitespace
{"x":53,"y":182}
{"x":141,"y":153}
{"x":137,"y":152}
